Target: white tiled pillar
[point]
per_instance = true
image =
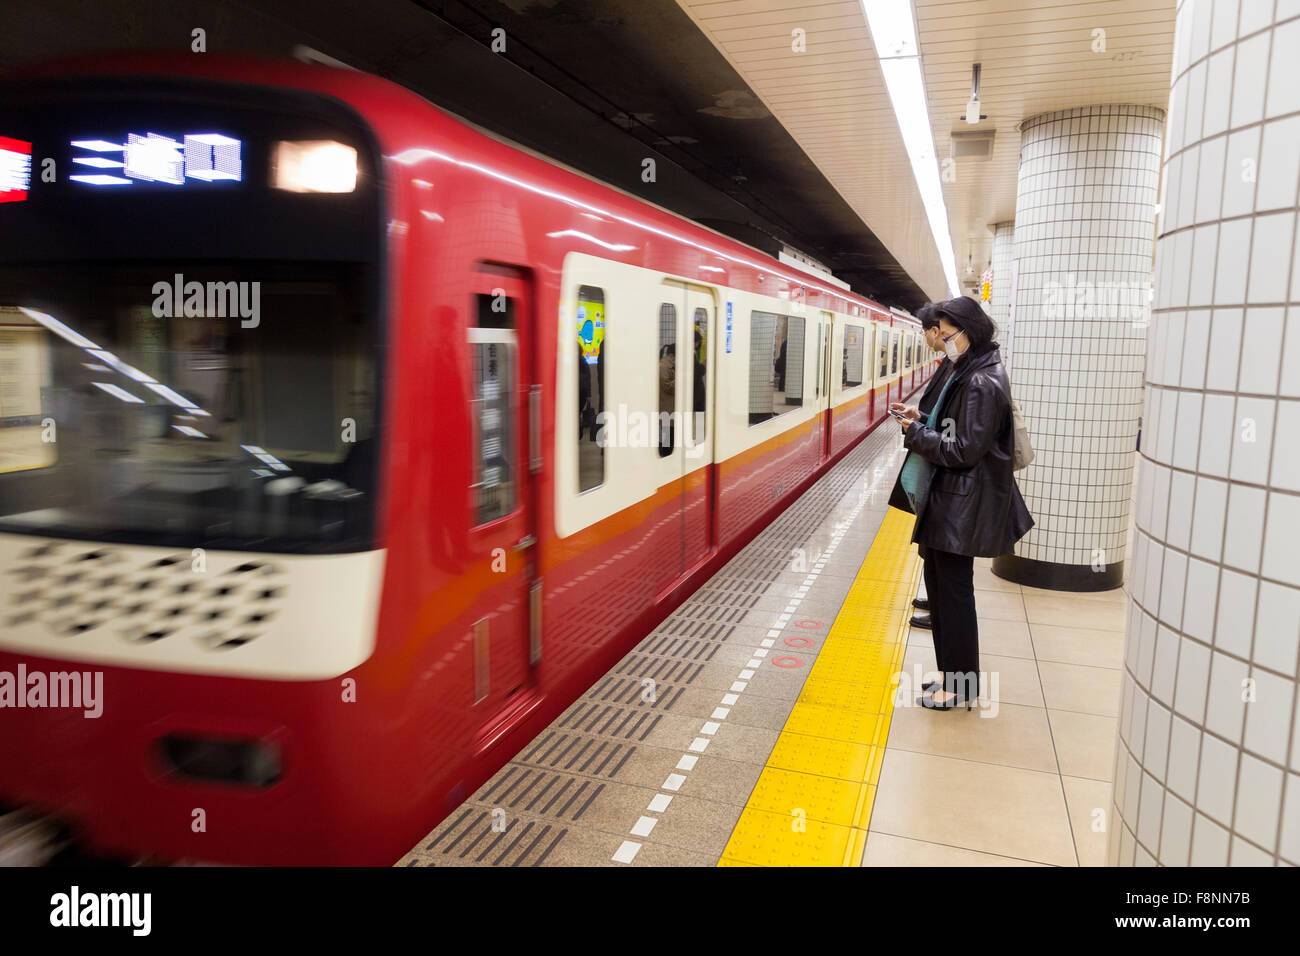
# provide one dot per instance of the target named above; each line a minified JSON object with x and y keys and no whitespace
{"x":1000,"y":294}
{"x":1208,"y":754}
{"x":1084,"y":233}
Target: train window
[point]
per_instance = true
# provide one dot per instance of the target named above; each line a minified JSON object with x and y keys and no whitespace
{"x":590,"y":324}
{"x":884,"y":353}
{"x":492,"y":375}
{"x":666,"y":376}
{"x":855,"y":338}
{"x":776,"y":346}
{"x":492,"y":406}
{"x":700,"y":376}
{"x":185,"y":426}
{"x":893,"y":352}
{"x":821,"y":357}
{"x":794,"y":365}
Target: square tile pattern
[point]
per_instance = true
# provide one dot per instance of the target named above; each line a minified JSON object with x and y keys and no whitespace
{"x":1024,"y":782}
{"x":1206,"y":771}
{"x":1085,"y":203}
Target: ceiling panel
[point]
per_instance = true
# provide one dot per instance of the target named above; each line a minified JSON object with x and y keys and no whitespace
{"x":1035,"y":57}
{"x":832,"y":100}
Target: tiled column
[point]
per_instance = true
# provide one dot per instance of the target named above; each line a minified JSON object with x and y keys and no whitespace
{"x":1000,"y":295}
{"x":1209,"y":737}
{"x":1084,"y":233}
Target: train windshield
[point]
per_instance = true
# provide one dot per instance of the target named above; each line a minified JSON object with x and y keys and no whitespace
{"x":188,"y":403}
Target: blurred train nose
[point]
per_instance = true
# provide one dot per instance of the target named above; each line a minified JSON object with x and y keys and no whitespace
{"x":248,"y":762}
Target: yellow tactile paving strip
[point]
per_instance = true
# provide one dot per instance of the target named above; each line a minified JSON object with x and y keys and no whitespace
{"x":812,"y":803}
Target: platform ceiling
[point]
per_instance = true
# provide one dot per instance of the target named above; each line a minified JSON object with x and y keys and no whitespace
{"x":1036,"y":56}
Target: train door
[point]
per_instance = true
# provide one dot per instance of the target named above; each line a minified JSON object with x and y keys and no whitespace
{"x":895,"y":377}
{"x":504,"y":453}
{"x":701,"y":335}
{"x":687,"y":331}
{"x":882,"y":337}
{"x":825,"y":366}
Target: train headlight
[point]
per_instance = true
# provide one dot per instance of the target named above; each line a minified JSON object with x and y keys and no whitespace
{"x":314,"y":166}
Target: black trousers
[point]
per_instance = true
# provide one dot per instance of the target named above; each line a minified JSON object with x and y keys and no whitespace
{"x":950,"y":589}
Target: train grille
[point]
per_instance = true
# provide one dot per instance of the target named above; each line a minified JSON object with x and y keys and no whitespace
{"x":73,"y":589}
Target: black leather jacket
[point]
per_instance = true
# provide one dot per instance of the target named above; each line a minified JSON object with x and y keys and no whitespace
{"x":969,"y":503}
{"x":898,"y":497}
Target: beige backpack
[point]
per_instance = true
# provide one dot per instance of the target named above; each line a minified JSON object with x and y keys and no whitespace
{"x":1022,"y":451}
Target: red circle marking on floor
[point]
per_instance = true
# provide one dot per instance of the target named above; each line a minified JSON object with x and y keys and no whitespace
{"x":808,"y":623}
{"x":794,"y":662}
{"x":797,"y":641}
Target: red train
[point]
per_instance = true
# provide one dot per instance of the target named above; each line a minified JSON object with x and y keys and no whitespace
{"x":345,"y":446}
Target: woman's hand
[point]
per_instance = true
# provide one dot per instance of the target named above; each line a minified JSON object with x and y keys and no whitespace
{"x":910,"y":412}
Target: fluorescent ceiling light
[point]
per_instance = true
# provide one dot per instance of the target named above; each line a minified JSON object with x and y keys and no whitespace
{"x":172,"y":396}
{"x":58,"y":328}
{"x":894,"y":34}
{"x":119,"y":393}
{"x":891,"y":25}
{"x":97,"y":161}
{"x":98,"y":145}
{"x":130,"y":371}
{"x":266,"y":457}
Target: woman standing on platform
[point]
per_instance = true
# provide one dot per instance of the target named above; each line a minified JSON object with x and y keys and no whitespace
{"x":898,"y":498}
{"x":958,"y":479}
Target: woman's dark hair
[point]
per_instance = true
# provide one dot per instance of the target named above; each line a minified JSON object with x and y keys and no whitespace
{"x":926,"y":315}
{"x":965,"y":313}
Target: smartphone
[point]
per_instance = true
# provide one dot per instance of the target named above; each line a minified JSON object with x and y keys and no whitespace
{"x":900,"y":416}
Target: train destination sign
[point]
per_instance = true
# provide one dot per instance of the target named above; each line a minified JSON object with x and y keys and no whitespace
{"x":154,"y":158}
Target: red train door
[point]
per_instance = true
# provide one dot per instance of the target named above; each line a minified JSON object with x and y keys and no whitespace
{"x":686,"y":344}
{"x":825,"y":336}
{"x":700,"y":334}
{"x":504,"y":458}
{"x":895,"y":373}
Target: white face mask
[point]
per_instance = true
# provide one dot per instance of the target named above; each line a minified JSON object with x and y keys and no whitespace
{"x":950,"y":348}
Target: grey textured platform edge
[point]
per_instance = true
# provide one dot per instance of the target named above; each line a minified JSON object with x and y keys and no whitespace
{"x":578,"y":793}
